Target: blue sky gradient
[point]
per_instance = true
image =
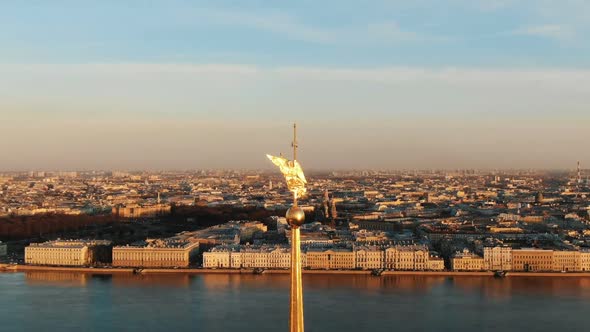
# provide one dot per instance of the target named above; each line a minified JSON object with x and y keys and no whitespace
{"x":334,"y":33}
{"x":401,"y":84}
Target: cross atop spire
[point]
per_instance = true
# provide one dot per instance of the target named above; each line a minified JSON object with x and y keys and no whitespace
{"x":294,"y":144}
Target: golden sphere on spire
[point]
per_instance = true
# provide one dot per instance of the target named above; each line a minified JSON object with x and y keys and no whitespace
{"x":295,"y":216}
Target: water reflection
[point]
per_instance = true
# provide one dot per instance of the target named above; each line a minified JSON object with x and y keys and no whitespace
{"x":152,"y":280}
{"x":485,"y":286}
{"x":66,"y":279}
{"x":77,"y":279}
{"x":63,"y":301}
{"x":523,"y":286}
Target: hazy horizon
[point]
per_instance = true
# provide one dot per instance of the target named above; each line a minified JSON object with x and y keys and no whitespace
{"x":177,"y":85}
{"x":271,"y":170}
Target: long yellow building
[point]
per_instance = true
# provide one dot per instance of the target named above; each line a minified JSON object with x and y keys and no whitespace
{"x":361,"y":257}
{"x":238,"y":257}
{"x":533,"y":259}
{"x":68,"y":253}
{"x":156,"y":253}
{"x":330,"y":259}
{"x":409,"y":258}
{"x":368,"y":258}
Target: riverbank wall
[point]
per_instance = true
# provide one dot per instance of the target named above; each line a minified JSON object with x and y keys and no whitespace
{"x":549,"y":274}
{"x":25,"y":268}
{"x":88,"y":270}
{"x":438,"y":273}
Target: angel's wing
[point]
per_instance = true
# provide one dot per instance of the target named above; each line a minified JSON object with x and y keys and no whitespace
{"x":279,"y":161}
{"x":299,"y":172}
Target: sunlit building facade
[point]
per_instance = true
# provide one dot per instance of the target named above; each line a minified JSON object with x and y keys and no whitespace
{"x":158,"y":253}
{"x":369,"y":258}
{"x":497,"y":258}
{"x":407,"y":258}
{"x":330,"y":259}
{"x":435,"y":264}
{"x":584,"y":260}
{"x":566,"y":261}
{"x":532,"y":260}
{"x":467,"y":261}
{"x":236,"y":257}
{"x":68,"y":253}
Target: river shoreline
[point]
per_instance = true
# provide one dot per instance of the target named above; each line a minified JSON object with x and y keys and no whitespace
{"x":88,"y":270}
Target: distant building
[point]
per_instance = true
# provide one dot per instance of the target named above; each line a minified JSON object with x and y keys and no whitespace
{"x":226,"y":234}
{"x":360,"y":257}
{"x":238,"y":257}
{"x":367,"y":236}
{"x":69,"y":252}
{"x":539,"y":198}
{"x":330,"y":259}
{"x":223,"y":258}
{"x":272,"y":258}
{"x":141,"y":211}
{"x":282,"y":225}
{"x":532,"y":260}
{"x":369,"y":258}
{"x":248,"y":229}
{"x":435,"y":263}
{"x":497,"y":258}
{"x":584,"y":260}
{"x":156,"y":253}
{"x":372,"y":224}
{"x":313,"y":239}
{"x":467,"y":261}
{"x":3,"y":249}
{"x":410,"y":258}
{"x":566,"y":261}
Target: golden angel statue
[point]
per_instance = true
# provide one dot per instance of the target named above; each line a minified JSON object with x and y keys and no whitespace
{"x":293,"y":174}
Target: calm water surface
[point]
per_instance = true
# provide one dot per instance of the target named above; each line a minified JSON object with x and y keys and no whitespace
{"x":49,"y":301}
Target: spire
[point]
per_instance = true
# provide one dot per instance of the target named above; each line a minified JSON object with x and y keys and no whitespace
{"x":294,"y":143}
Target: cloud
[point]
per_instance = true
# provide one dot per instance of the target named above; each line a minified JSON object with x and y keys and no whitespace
{"x":290,"y":27}
{"x":425,"y":74}
{"x":551,"y":31}
{"x":320,"y":73}
{"x":391,"y":31}
{"x":130,"y":68}
{"x":274,"y":22}
{"x":492,"y":5}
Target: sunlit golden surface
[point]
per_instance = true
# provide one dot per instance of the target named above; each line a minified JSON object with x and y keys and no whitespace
{"x":293,"y":174}
{"x":295,"y":216}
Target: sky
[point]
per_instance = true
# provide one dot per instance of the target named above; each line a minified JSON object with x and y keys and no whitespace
{"x":217,"y":84}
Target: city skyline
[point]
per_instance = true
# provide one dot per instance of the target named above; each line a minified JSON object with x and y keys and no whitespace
{"x":222,"y":165}
{"x":178,"y":85}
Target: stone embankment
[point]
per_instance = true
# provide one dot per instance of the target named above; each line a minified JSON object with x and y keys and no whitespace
{"x":93,"y":270}
{"x":108,"y":270}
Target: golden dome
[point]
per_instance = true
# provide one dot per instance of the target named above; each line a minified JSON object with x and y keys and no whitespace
{"x":295,"y":216}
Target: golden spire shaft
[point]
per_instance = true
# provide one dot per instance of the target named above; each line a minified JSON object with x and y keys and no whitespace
{"x":294,"y":142}
{"x":294,"y":157}
{"x":296,"y":305}
{"x":295,"y":218}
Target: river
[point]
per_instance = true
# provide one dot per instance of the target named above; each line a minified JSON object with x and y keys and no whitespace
{"x":61,"y":301}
